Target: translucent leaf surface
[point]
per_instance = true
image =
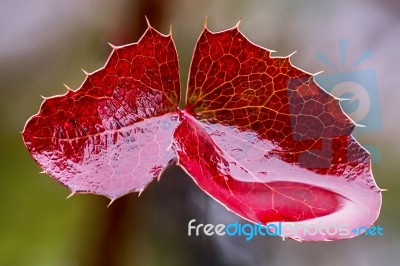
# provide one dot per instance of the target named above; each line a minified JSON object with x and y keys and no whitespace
{"x":113,"y":135}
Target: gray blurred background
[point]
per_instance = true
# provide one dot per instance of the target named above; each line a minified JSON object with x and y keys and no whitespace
{"x":44,"y":43}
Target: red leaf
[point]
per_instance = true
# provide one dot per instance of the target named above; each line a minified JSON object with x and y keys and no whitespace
{"x":112,"y":135}
{"x":263,"y":139}
{"x":257,"y":134}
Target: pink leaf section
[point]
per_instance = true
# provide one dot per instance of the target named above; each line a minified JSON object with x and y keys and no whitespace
{"x":260,"y":137}
{"x":113,"y":135}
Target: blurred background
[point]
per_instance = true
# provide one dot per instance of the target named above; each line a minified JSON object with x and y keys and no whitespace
{"x":44,"y":43}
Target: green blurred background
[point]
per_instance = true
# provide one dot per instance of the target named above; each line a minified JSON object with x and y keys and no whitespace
{"x":44,"y":43}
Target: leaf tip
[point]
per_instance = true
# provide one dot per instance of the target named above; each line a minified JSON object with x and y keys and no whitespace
{"x":384,"y":189}
{"x":42,"y":172}
{"x":111,"y":202}
{"x":205,"y":22}
{"x":317,"y":73}
{"x":170,"y":30}
{"x":292,"y":54}
{"x":43,"y":97}
{"x":84,"y":71}
{"x":140,"y":192}
{"x":114,"y":47}
{"x":344,"y":99}
{"x":238,"y":23}
{"x":67,"y":87}
{"x":70,"y":195}
{"x":147,"y":21}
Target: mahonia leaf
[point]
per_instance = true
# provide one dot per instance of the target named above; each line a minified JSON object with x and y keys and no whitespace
{"x":113,"y":135}
{"x":257,"y":134}
{"x":263,"y":139}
